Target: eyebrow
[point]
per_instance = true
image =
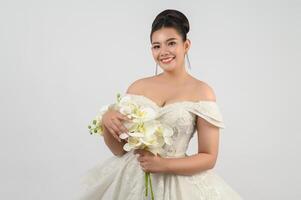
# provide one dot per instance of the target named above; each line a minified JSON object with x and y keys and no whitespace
{"x":166,"y":40}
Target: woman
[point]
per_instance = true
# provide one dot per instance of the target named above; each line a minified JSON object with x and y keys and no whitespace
{"x":186,"y":104}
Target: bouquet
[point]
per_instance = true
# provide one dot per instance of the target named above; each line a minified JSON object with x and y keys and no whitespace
{"x":145,"y":130}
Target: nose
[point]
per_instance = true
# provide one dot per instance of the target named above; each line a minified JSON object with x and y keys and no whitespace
{"x":164,"y":54}
{"x":163,"y":51}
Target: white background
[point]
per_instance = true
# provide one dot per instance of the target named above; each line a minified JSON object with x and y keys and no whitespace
{"x":60,"y":61}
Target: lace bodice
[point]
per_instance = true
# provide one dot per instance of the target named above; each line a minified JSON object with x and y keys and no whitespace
{"x":181,"y":116}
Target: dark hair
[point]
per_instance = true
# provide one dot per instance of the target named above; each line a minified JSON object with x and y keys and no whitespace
{"x":171,"y":18}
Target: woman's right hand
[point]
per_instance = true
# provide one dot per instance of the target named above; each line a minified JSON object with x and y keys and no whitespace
{"x":112,"y":120}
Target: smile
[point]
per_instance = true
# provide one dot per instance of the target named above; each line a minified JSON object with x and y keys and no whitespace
{"x":167,"y":60}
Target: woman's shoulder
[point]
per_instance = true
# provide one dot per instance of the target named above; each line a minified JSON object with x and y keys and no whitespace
{"x":204,"y":90}
{"x":200,"y":89}
{"x":139,"y":85}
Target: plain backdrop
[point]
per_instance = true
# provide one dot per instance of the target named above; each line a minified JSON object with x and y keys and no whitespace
{"x":60,"y":61}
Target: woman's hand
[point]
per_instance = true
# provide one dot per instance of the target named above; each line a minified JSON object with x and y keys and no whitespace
{"x":112,"y":121}
{"x":150,"y":162}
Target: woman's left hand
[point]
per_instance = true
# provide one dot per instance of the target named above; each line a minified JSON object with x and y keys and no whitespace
{"x":150,"y":162}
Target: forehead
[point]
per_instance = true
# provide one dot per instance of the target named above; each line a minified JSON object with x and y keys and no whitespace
{"x":164,"y":34}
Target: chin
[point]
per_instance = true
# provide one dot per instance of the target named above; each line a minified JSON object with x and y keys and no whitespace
{"x":169,"y":68}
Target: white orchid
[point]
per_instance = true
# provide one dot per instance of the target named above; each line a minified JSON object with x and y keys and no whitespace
{"x":145,"y":131}
{"x":150,"y":135}
{"x":134,"y":111}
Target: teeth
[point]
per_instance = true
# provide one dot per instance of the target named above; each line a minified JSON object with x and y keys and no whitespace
{"x":167,"y":60}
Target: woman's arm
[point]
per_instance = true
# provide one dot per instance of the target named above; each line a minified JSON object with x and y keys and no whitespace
{"x":208,"y":142}
{"x":114,"y":145}
{"x":189,"y":165}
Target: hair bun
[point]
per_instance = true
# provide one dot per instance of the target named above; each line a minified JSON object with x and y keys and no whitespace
{"x":180,"y":18}
{"x":171,"y":18}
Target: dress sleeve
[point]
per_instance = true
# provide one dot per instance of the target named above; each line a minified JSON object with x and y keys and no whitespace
{"x":209,"y":111}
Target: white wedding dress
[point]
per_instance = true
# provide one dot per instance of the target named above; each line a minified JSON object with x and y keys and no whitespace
{"x":121,"y":178}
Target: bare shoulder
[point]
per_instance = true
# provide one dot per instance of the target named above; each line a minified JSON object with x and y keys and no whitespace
{"x":200,"y":89}
{"x":204,"y":91}
{"x":138,"y":86}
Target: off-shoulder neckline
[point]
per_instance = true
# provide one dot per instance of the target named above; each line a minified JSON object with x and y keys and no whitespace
{"x":173,"y":103}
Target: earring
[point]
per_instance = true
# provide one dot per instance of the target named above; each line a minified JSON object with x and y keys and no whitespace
{"x":188,"y":61}
{"x":156,"y":68}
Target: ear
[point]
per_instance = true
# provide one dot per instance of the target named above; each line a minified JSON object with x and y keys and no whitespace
{"x":187,"y":45}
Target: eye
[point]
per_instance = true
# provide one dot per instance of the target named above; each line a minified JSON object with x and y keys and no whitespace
{"x":172,"y":43}
{"x":155,"y":47}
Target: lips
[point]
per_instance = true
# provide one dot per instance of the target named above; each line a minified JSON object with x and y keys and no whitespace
{"x":167,"y":60}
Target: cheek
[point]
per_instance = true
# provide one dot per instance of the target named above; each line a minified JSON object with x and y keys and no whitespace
{"x":179,"y":51}
{"x":153,"y":52}
{"x":155,"y":55}
{"x":180,"y":54}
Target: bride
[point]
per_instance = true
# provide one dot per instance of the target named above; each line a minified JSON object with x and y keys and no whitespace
{"x":188,"y":105}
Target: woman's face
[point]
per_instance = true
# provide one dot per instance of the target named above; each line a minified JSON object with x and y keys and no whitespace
{"x":168,"y":49}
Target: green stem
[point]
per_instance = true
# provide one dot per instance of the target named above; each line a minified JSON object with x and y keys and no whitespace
{"x":151,"y":187}
{"x":146,"y":174}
